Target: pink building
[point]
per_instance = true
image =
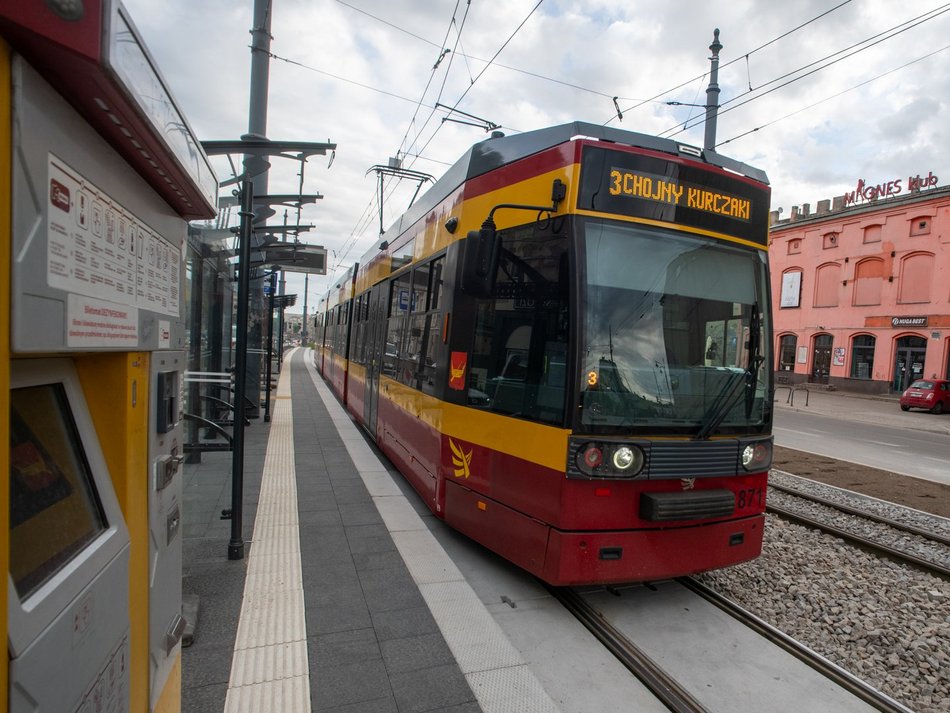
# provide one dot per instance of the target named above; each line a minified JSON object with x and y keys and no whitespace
{"x":861,"y":289}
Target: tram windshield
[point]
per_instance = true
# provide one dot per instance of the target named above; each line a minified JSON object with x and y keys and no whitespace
{"x":667,"y":319}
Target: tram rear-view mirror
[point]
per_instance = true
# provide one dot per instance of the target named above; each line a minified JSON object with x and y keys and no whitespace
{"x":480,"y":262}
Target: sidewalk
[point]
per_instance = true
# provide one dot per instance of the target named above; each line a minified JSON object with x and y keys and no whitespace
{"x":880,"y":410}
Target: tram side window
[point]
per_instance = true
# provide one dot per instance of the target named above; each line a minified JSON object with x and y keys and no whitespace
{"x":519,"y":358}
{"x":347,"y":306}
{"x":355,"y":330}
{"x":412,"y":334}
{"x":337,"y":328}
{"x":399,"y":302}
{"x":432,"y":342}
{"x":411,"y":357}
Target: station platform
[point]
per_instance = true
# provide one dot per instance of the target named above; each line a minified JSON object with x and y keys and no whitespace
{"x":344,"y":600}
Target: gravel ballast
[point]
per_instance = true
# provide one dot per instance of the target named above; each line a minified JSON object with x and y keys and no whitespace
{"x":885,"y":622}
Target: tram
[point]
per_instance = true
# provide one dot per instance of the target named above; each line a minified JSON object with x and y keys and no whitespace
{"x":564,"y":347}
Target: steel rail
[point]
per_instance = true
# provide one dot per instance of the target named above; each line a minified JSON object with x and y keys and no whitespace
{"x":862,"y":542}
{"x":674,"y":696}
{"x":846,"y":680}
{"x":911,"y":529}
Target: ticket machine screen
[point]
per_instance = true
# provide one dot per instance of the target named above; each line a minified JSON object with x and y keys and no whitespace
{"x":54,"y":510}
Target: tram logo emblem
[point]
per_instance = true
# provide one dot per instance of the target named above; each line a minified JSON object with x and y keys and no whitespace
{"x":688,"y":483}
{"x":457,"y":365}
{"x":460,"y":459}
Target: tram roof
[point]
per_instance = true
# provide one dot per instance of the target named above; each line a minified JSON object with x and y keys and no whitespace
{"x":499,"y":151}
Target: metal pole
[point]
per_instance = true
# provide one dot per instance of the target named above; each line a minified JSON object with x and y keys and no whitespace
{"x":260,"y":70}
{"x":712,"y":94}
{"x":236,"y":545}
{"x":303,"y":326}
{"x":280,"y":332}
{"x":270,"y":343}
{"x":281,"y":290}
{"x":257,"y":128}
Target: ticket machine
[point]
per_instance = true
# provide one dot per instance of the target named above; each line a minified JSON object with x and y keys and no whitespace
{"x":105,"y":175}
{"x":69,"y":551}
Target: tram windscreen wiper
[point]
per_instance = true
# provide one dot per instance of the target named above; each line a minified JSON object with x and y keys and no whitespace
{"x":729,"y":395}
{"x":755,"y":359}
{"x":724,"y":402}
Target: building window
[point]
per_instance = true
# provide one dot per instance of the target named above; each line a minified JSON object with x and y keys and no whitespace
{"x":916,"y":275}
{"x":920,"y":226}
{"x":868,"y":281}
{"x":786,"y":352}
{"x":829,"y":240}
{"x":862,"y":356}
{"x":872,"y":234}
{"x":794,"y":246}
{"x":827,"y":283}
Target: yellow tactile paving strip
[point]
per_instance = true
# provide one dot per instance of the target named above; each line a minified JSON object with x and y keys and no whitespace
{"x":269,"y":671}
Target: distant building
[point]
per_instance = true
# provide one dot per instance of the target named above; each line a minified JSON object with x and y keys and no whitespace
{"x":861,"y":288}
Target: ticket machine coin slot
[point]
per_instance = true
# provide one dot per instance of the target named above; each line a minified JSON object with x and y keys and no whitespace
{"x":166,"y":467}
{"x":172,"y":524}
{"x":175,"y":630}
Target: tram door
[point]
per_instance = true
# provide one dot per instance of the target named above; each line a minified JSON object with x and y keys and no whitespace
{"x":821,"y":360}
{"x":378,"y":303}
{"x":909,"y":361}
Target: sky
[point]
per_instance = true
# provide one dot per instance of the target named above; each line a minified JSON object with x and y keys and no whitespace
{"x":817,"y":93}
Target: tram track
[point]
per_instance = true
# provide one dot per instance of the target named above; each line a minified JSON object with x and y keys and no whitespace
{"x":854,"y":685}
{"x":929,"y":534}
{"x":672,"y":693}
{"x":666,"y":688}
{"x":871,"y":544}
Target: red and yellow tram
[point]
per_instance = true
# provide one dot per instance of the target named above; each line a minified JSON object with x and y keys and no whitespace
{"x":563,"y":346}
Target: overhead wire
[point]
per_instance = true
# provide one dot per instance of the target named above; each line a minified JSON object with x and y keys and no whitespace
{"x":867,"y":43}
{"x":467,"y":57}
{"x":471,"y":84}
{"x":485,"y":69}
{"x":656,"y":98}
{"x":446,"y":75}
{"x":435,"y":68}
{"x":835,"y":96}
{"x":492,"y":61}
{"x":722,"y":66}
{"x":376,"y":203}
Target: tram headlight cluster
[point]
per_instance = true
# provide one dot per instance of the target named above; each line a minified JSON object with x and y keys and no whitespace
{"x":609,"y":460}
{"x":756,"y":455}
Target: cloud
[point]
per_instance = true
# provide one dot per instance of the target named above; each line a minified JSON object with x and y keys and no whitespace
{"x":360,"y":73}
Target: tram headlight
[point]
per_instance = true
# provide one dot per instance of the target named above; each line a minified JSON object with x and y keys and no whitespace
{"x":593,"y":456}
{"x":623,"y":458}
{"x":606,"y":459}
{"x":757,"y":455}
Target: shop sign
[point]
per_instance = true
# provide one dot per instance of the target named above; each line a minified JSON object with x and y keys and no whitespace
{"x":908,"y":321}
{"x":866,"y":192}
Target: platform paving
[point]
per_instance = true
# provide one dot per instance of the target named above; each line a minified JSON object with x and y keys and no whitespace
{"x":343,"y":601}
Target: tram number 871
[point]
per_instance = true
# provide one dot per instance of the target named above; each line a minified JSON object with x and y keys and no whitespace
{"x":750,"y":497}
